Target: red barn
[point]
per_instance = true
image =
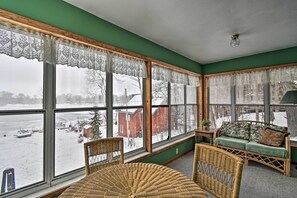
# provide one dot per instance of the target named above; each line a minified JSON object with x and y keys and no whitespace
{"x":133,"y":118}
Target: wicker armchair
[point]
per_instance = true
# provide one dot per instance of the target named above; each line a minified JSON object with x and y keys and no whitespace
{"x":103,"y":153}
{"x":217,"y":171}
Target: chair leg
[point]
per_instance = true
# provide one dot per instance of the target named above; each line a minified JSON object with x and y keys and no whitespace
{"x":246,"y":161}
{"x":287,"y":168}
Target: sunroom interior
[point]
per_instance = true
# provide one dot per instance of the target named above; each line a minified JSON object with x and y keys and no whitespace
{"x":70,"y":66}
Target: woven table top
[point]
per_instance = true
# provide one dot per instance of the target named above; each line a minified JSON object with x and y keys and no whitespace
{"x":135,"y":180}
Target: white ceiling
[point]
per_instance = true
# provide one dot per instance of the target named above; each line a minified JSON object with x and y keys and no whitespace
{"x":201,"y":29}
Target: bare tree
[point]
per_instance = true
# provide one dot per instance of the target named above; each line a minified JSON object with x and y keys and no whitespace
{"x":96,"y":82}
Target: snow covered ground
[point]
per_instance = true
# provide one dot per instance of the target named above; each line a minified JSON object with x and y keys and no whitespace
{"x":25,"y":155}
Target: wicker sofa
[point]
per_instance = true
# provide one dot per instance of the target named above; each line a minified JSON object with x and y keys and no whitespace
{"x":243,"y":139}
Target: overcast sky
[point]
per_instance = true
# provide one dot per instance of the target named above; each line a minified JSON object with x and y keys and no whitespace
{"x":26,"y":76}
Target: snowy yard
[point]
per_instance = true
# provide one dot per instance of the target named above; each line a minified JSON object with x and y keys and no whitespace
{"x":25,"y":155}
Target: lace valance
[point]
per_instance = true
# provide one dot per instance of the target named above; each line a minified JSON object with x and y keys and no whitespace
{"x":78,"y":55}
{"x":167,"y":75}
{"x":20,"y":43}
{"x":220,"y":81}
{"x":283,"y":74}
{"x":121,"y":64}
{"x":250,"y":78}
{"x":194,"y":81}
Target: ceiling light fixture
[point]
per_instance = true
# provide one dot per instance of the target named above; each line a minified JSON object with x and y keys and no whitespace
{"x":235,"y":41}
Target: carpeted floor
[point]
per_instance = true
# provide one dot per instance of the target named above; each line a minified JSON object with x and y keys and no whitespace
{"x":258,"y":181}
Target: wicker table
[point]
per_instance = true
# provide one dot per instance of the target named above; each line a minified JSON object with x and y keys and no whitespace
{"x":135,"y":180}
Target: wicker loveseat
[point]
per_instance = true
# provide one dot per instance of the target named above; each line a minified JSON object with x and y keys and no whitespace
{"x":243,"y":139}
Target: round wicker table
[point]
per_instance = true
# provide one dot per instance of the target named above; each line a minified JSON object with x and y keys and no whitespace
{"x":135,"y":180}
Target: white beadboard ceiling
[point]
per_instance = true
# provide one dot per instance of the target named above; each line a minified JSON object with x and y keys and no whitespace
{"x":201,"y":29}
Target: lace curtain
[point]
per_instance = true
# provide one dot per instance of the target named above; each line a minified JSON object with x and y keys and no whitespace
{"x":220,"y":81}
{"x":167,"y":75}
{"x":283,"y":74}
{"x":20,"y":43}
{"x":128,"y":66}
{"x":250,"y":78}
{"x":194,"y":81}
{"x":77,"y":55}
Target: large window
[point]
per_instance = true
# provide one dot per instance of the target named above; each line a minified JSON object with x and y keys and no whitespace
{"x":219,"y":100}
{"x":21,"y":123}
{"x":177,"y":109}
{"x":283,"y":111}
{"x":55,"y":95}
{"x":160,"y":111}
{"x":191,"y":108}
{"x":250,"y":96}
{"x":257,"y":96}
{"x":128,"y":110}
{"x":174,"y":104}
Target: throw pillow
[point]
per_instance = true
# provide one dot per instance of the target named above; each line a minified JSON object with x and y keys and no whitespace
{"x":236,"y":129}
{"x":255,"y":132}
{"x":272,"y":137}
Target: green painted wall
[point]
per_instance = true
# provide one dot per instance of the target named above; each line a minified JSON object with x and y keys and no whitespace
{"x":167,"y":155}
{"x":278,"y":57}
{"x":67,"y":17}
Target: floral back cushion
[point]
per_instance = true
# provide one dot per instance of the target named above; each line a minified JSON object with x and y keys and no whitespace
{"x":255,"y":132}
{"x":236,"y":129}
{"x":278,"y":128}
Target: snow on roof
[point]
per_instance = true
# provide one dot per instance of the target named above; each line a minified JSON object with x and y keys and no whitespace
{"x":157,"y":101}
{"x":136,"y":100}
{"x":87,"y":126}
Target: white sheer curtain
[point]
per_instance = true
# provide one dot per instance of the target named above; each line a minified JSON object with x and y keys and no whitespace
{"x":220,"y":81}
{"x":168,"y":75}
{"x":81,"y":56}
{"x":194,"y":81}
{"x":121,"y":64}
{"x":283,"y":74}
{"x":250,"y":78}
{"x":18,"y":43}
{"x":220,"y":89}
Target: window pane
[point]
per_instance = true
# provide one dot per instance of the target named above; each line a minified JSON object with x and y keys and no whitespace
{"x":71,"y":131}
{"x":159,"y":124}
{"x":278,"y":115}
{"x":254,"y":113}
{"x":21,"y":139}
{"x":218,"y":114}
{"x":191,"y":117}
{"x":159,"y":92}
{"x":285,"y":116}
{"x":278,"y":90}
{"x":177,"y":93}
{"x":191,"y":95}
{"x":80,"y":87}
{"x":21,"y":84}
{"x":177,"y":120}
{"x":220,"y":95}
{"x":249,"y":94}
{"x":127,"y":90}
{"x":128,"y":123}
